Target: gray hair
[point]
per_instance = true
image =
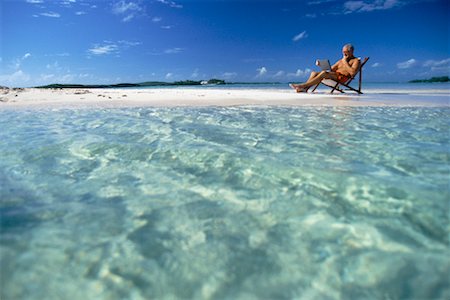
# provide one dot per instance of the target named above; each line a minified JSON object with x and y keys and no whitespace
{"x":349,"y":47}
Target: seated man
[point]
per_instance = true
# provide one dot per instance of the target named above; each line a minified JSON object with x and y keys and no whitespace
{"x":341,"y":71}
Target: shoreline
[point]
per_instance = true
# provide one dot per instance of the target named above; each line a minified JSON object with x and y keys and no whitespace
{"x":197,"y":97}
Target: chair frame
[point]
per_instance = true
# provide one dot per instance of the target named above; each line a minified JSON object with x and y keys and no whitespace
{"x":336,"y":86}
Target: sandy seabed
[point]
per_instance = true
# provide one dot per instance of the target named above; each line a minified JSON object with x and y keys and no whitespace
{"x":170,"y":97}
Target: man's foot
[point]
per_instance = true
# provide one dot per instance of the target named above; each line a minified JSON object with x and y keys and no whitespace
{"x":294,"y":86}
{"x":298,"y":88}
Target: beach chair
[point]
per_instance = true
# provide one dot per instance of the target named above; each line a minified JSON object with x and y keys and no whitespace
{"x":345,"y":86}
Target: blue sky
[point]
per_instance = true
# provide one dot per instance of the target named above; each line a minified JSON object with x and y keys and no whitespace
{"x":81,"y":41}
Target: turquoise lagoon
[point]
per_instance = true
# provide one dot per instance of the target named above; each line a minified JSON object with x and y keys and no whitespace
{"x":225,"y":203}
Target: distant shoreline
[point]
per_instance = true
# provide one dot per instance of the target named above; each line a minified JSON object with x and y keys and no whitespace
{"x":126,"y":85}
{"x":431,"y":80}
{"x":211,"y":82}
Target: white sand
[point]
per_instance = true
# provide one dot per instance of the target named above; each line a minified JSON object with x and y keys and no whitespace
{"x":169,"y":97}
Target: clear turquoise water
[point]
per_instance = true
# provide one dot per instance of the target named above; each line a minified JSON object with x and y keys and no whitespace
{"x":225,"y":203}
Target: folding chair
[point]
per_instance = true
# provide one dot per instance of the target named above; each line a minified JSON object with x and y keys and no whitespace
{"x":341,"y":86}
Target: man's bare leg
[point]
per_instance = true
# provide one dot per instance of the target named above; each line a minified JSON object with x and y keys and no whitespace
{"x":312,"y":75}
{"x":301,"y":88}
{"x":313,"y":81}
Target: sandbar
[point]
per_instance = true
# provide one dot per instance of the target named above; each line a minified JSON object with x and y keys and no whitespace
{"x":173,"y":97}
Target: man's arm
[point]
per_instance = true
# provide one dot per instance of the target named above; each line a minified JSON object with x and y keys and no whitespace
{"x":335,"y":66}
{"x":351,"y":68}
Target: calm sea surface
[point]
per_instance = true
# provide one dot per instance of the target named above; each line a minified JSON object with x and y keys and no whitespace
{"x":366,"y":86}
{"x":225,"y":203}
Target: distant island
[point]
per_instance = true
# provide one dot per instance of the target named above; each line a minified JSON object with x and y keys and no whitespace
{"x":142,"y":84}
{"x":433,"y":79}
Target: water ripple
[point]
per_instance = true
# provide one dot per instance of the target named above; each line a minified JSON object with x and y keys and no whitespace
{"x":225,"y":202}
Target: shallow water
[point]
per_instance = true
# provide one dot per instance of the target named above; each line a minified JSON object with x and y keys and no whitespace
{"x":225,"y":203}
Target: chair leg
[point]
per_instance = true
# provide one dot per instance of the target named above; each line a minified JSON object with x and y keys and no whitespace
{"x":352,"y":89}
{"x":315,"y":87}
{"x":336,"y":88}
{"x":360,"y":81}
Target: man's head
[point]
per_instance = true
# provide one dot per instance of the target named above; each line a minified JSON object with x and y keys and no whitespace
{"x":348,"y":50}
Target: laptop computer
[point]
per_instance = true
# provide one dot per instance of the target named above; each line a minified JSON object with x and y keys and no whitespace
{"x":324,"y":64}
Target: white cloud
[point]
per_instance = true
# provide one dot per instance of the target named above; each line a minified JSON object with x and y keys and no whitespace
{"x":67,"y":78}
{"x":169,"y":75}
{"x":85,"y":75}
{"x":156,"y":19}
{"x":18,"y":78}
{"x":376,"y":65}
{"x":407,"y":64}
{"x":55,"y":65}
{"x":300,"y":73}
{"x":128,"y":18}
{"x":279,"y":74}
{"x":80,"y":13}
{"x":17,"y":63}
{"x":51,"y":14}
{"x":441,"y":66}
{"x":63,"y":54}
{"x":351,"y":6}
{"x":166,"y":27}
{"x":173,"y":50}
{"x":301,"y":35}
{"x":46,"y":77}
{"x":110,"y":47}
{"x":170,"y":3}
{"x":122,"y":7}
{"x":261,"y":71}
{"x":35,"y":1}
{"x":169,"y":51}
{"x":437,"y":64}
{"x":103,"y":49}
{"x":370,"y":5}
{"x":128,"y":9}
{"x":195,"y":74}
{"x":128,"y":43}
{"x":67,"y":3}
{"x":228,"y":75}
{"x":317,"y":2}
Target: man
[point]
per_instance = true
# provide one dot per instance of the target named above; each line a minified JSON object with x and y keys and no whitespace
{"x":341,"y":71}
